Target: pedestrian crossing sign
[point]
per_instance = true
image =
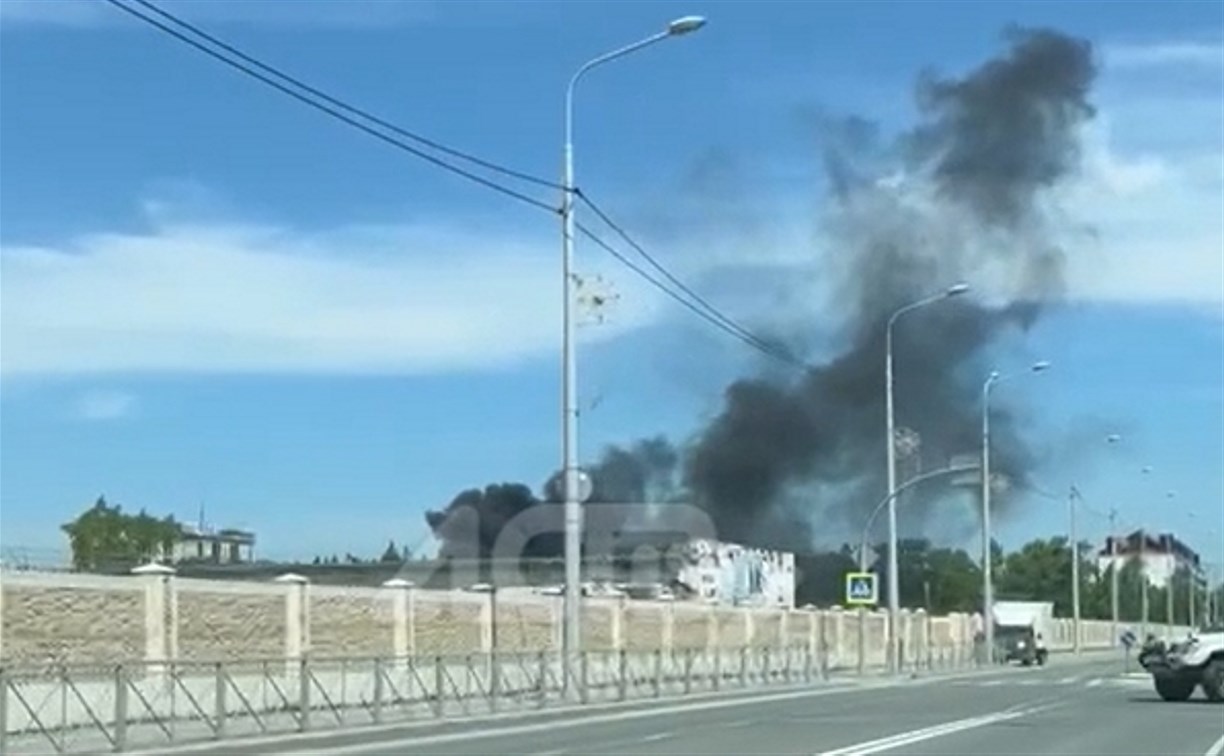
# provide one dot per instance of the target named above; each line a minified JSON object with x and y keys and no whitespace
{"x":861,"y":588}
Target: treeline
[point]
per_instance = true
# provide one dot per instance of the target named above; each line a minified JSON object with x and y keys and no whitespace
{"x":391,"y":555}
{"x":950,"y":580}
{"x":939,"y":579}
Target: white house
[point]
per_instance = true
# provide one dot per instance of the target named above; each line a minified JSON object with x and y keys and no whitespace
{"x":1162,"y":555}
{"x":727,"y":573}
{"x":224,"y":546}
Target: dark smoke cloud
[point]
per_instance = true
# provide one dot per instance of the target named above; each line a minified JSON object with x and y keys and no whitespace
{"x":969,"y":192}
{"x":470,"y":525}
{"x":1009,"y":129}
{"x":965,"y":190}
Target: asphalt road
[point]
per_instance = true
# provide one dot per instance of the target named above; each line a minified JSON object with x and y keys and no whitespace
{"x":1068,"y":707}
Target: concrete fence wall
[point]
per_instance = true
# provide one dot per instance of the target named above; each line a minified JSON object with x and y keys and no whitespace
{"x":154,"y":616}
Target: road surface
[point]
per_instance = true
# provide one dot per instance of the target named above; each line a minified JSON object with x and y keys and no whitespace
{"x":1068,"y":707}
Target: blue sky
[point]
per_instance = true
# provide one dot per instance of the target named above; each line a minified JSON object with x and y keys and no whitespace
{"x":172,"y":235}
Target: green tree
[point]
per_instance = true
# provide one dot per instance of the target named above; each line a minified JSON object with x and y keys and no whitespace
{"x":391,"y":555}
{"x":1039,"y":571}
{"x":955,"y":581}
{"x":103,"y":536}
{"x":938,"y":579}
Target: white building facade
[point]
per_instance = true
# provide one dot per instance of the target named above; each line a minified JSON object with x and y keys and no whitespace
{"x":1162,"y":555}
{"x":735,"y":575}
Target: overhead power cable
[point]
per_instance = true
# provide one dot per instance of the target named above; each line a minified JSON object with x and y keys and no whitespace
{"x":346,"y":106}
{"x":761,"y":346}
{"x":349,"y":114}
{"x":333,"y":111}
{"x":713,"y":312}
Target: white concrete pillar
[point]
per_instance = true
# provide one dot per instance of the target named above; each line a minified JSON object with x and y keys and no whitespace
{"x":784,"y":630}
{"x":157,"y":579}
{"x":297,"y":616}
{"x":403,"y":640}
{"x":558,"y":621}
{"x":749,"y":626}
{"x":813,"y":633}
{"x":906,"y":634}
{"x":486,"y":625}
{"x":618,"y":622}
{"x":668,"y":611}
{"x":838,"y":643}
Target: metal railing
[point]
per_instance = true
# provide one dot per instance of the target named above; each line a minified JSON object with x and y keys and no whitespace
{"x":70,"y":708}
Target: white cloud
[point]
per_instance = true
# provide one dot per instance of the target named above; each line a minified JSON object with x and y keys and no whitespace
{"x":1158,"y":224}
{"x":104,"y":405}
{"x":1160,"y":54}
{"x":232,"y":298}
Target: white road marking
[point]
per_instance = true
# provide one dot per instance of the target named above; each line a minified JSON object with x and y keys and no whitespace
{"x":655,"y":737}
{"x":403,"y":743}
{"x":929,"y":733}
{"x":1217,"y":748}
{"x":1095,"y":683}
{"x":1068,"y":681}
{"x":992,"y":683}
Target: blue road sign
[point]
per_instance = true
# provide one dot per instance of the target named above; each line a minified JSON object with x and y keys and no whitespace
{"x":1128,"y":638}
{"x":861,"y":588}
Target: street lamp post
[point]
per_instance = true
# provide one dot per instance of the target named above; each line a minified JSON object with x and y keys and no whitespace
{"x":893,"y":496}
{"x":1075,"y":573}
{"x":1191,"y":584}
{"x":1171,"y":584}
{"x":569,"y":385}
{"x":894,"y":594}
{"x":987,"y":557}
{"x":1113,"y":573}
{"x":1113,"y":438}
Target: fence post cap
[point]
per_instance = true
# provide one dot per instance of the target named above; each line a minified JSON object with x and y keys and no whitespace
{"x":398,"y":583}
{"x":291,"y":577}
{"x":153,"y":568}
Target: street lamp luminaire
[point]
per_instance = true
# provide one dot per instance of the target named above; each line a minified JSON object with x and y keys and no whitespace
{"x":894,"y":594}
{"x":569,"y":385}
{"x":987,"y":557}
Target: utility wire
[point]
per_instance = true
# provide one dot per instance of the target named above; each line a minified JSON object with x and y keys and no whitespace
{"x":340,"y":110}
{"x":279,"y":73}
{"x":763,"y":347}
{"x":712,"y":311}
{"x":334,"y":112}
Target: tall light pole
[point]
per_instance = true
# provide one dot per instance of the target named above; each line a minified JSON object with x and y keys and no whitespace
{"x":1113,"y":573}
{"x":1209,"y":603}
{"x":1113,"y":438}
{"x":1144,"y":602}
{"x":569,"y":384}
{"x":1075,"y":572}
{"x":987,"y":557}
{"x":1191,"y":584}
{"x":1171,"y":585}
{"x":894,"y":595}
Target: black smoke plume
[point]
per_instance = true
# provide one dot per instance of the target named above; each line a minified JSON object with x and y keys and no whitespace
{"x":470,"y":525}
{"x":965,"y":195}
